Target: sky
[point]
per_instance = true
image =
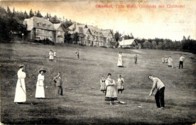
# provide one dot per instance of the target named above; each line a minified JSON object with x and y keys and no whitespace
{"x":171,"y":19}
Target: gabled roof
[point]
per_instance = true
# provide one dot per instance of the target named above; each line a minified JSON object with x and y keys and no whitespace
{"x":95,"y":31}
{"x":37,"y":22}
{"x":59,"y":25}
{"x":106,"y":32}
{"x":42,"y":21}
{"x":56,"y":26}
{"x":76,"y":27}
{"x":127,"y":42}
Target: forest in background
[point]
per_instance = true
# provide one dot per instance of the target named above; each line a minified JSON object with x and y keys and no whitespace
{"x":11,"y":24}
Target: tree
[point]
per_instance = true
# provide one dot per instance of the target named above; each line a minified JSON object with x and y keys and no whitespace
{"x":9,"y":11}
{"x":76,"y":38}
{"x":147,"y":44}
{"x":26,"y":15}
{"x":54,"y":19}
{"x":154,"y":44}
{"x":31,"y":14}
{"x":47,"y":16}
{"x":38,"y":14}
{"x":67,"y":37}
{"x":117,"y":36}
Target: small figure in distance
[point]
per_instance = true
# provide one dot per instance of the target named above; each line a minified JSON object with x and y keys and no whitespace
{"x":120,"y":84}
{"x":77,"y":54}
{"x":102,"y":85}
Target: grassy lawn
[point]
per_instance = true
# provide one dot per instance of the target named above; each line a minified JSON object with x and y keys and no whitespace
{"x":83,"y":102}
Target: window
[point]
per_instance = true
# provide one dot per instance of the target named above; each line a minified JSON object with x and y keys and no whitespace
{"x":44,"y":25}
{"x":38,"y":24}
{"x":80,"y":30}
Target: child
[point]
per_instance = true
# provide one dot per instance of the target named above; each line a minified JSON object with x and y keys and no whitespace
{"x":102,"y":84}
{"x":120,"y":85}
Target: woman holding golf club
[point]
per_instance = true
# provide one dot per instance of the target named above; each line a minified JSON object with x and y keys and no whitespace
{"x":160,"y":87}
{"x":20,"y":93}
{"x":111,"y":90}
{"x":40,"y":93}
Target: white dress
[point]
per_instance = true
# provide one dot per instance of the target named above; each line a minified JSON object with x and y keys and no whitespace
{"x":111,"y":90}
{"x":51,"y":55}
{"x":102,"y":85}
{"x":40,"y":93}
{"x":20,"y":93}
{"x":120,"y":85}
{"x":119,"y":64}
{"x":170,"y":62}
{"x":54,"y":54}
{"x":163,"y":60}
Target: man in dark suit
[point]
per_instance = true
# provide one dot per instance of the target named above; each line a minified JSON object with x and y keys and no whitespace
{"x":59,"y":84}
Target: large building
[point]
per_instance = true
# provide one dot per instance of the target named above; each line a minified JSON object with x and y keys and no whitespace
{"x":42,"y":29}
{"x":91,"y":35}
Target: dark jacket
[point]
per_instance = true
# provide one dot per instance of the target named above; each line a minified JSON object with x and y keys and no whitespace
{"x":58,"y":81}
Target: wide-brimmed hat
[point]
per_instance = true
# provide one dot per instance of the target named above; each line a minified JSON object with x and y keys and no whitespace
{"x":42,"y":69}
{"x":21,"y":65}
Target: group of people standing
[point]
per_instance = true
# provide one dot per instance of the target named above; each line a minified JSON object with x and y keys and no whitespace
{"x":111,"y":88}
{"x":21,"y":93}
{"x":52,"y":55}
{"x":170,"y":63}
{"x":108,"y":86}
{"x":120,"y":59}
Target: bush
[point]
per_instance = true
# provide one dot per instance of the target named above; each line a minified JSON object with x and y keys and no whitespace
{"x":45,"y":41}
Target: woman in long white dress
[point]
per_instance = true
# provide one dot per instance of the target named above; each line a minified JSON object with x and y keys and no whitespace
{"x":20,"y":93}
{"x":120,"y":62}
{"x":120,"y":84}
{"x":111,"y":90}
{"x":51,"y":55}
{"x":40,"y":93}
{"x":170,"y":62}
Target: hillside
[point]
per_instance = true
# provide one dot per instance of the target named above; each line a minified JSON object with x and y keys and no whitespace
{"x":82,"y":102}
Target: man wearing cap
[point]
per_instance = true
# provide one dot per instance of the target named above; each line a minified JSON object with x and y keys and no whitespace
{"x":20,"y":93}
{"x":59,"y":84}
{"x":160,"y":87}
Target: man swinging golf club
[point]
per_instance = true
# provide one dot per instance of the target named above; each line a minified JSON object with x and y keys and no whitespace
{"x":160,"y":87}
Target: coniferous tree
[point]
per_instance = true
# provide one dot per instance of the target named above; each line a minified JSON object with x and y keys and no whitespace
{"x":31,"y":14}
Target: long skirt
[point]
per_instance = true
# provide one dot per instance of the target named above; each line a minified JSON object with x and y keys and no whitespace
{"x":111,"y":93}
{"x":20,"y":93}
{"x":120,"y":63}
{"x":39,"y":93}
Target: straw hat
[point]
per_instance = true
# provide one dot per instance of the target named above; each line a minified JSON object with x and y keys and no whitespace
{"x":21,"y":65}
{"x":42,"y":70}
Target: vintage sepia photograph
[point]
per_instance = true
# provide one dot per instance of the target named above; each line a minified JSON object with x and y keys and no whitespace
{"x":98,"y":62}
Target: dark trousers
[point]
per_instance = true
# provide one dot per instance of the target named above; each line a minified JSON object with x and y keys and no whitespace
{"x":181,"y":64}
{"x":135,"y":61}
{"x":59,"y":90}
{"x":159,"y":98}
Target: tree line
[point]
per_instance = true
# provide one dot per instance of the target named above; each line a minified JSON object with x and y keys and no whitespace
{"x":11,"y":23}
